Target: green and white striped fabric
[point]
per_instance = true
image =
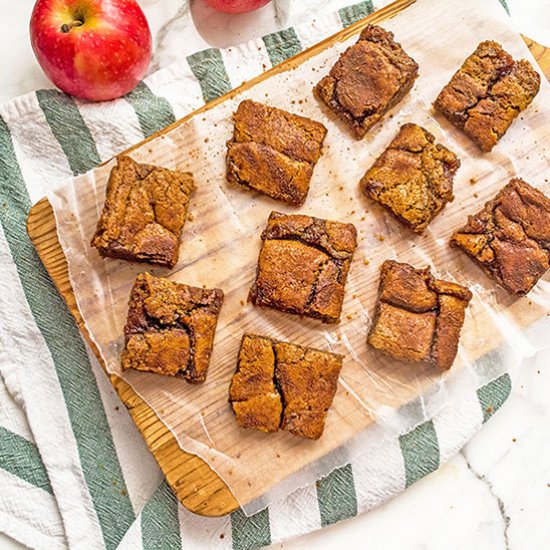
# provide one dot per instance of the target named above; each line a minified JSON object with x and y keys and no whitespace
{"x":73,"y":469}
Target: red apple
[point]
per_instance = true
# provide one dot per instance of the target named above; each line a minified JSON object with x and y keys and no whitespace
{"x":91,"y":49}
{"x":237,"y":6}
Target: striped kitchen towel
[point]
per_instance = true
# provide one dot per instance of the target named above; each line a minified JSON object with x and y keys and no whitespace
{"x":74,"y":471}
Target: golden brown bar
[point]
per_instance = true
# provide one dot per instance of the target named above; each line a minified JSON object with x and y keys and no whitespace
{"x":278,"y":385}
{"x":303,"y":266}
{"x":170,"y":328}
{"x":510,"y":237}
{"x":418,"y":318}
{"x":370,"y":78}
{"x":487,"y":93}
{"x":144,"y":213}
{"x":273,"y":151}
{"x":413,"y":178}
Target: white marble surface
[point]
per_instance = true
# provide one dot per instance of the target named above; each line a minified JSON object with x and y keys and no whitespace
{"x":495,"y":495}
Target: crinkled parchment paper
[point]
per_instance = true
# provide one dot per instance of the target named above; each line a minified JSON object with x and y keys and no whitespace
{"x":221,"y":243}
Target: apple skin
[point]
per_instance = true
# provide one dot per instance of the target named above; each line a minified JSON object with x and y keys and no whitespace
{"x":237,"y":6}
{"x":100,"y":59}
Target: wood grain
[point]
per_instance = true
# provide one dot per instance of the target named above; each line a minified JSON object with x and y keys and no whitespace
{"x":196,"y":485}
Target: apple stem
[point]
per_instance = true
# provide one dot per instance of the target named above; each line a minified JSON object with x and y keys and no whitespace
{"x":66,"y":27}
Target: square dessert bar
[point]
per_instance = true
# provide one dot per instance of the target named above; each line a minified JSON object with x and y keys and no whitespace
{"x":170,"y":328}
{"x":418,"y":318}
{"x":144,"y":213}
{"x":282,"y":386}
{"x":413,"y":178}
{"x":487,"y":93}
{"x":303,"y":266}
{"x":370,"y":78}
{"x":273,"y":151}
{"x":510,"y":237}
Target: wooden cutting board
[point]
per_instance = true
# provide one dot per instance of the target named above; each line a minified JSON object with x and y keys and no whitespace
{"x":196,"y":485}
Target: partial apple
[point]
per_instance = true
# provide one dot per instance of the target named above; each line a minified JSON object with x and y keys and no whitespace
{"x":91,"y":49}
{"x":237,"y":6}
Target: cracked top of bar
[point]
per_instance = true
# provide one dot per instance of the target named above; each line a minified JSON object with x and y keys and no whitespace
{"x":510,"y":237}
{"x":413,"y":178}
{"x":274,"y":151}
{"x":283,"y":386}
{"x":144,"y":213}
{"x":487,"y":93}
{"x":303,"y":266}
{"x":368,"y":79}
{"x":170,"y":328}
{"x":418,"y":318}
